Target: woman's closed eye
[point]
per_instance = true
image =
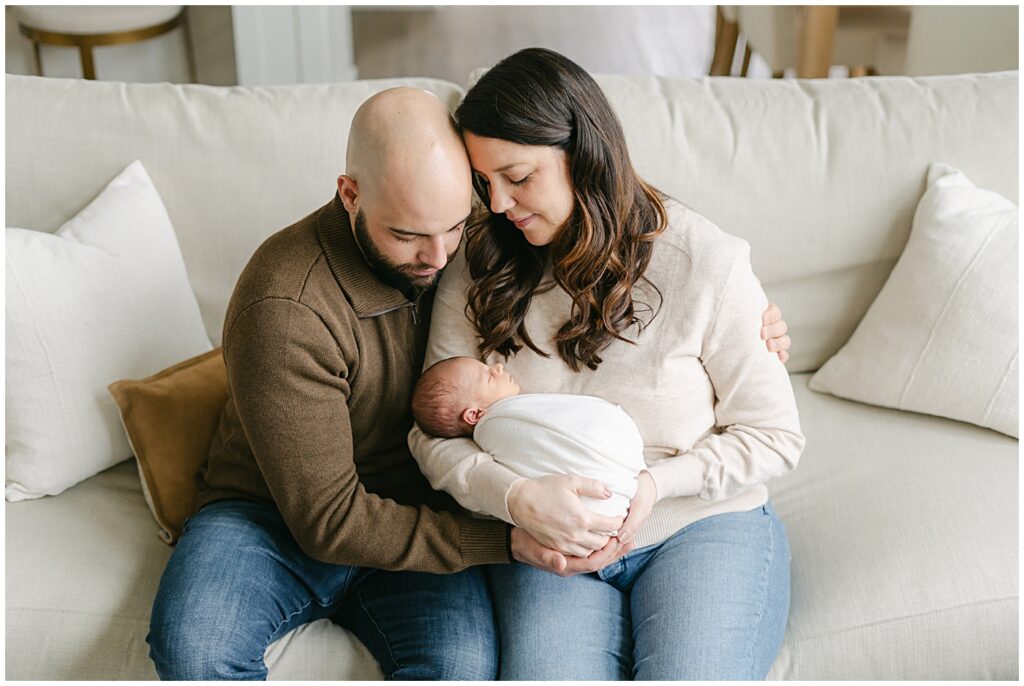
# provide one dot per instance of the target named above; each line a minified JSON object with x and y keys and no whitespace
{"x":521,"y":181}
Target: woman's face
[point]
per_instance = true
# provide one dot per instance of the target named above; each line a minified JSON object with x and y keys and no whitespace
{"x":529,"y":184}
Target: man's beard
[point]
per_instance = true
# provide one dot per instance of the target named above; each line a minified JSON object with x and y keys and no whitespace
{"x":399,"y":276}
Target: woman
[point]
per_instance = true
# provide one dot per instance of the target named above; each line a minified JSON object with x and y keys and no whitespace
{"x":584,"y":279}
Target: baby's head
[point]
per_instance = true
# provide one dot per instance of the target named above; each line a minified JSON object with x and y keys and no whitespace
{"x":454,"y":394}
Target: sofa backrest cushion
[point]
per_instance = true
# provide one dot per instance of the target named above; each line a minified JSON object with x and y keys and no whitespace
{"x":821,"y":177}
{"x":233,"y":165}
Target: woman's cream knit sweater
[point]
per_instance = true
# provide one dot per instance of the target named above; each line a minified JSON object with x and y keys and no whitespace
{"x":714,"y":406}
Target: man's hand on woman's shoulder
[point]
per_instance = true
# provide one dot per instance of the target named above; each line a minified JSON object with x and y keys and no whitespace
{"x":773,"y":332}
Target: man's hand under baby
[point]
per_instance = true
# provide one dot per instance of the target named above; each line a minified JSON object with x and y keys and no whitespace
{"x":526,"y":549}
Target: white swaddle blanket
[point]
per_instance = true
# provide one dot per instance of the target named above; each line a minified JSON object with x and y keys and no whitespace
{"x":539,"y":434}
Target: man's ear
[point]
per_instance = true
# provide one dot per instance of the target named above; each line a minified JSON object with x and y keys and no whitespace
{"x":348,"y":189}
{"x":473,"y":415}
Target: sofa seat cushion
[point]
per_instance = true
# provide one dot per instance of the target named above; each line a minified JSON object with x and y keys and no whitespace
{"x":892,"y":577}
{"x":903,"y":533}
{"x":82,"y":571}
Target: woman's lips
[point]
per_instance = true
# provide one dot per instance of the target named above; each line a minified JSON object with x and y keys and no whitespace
{"x":521,"y":223}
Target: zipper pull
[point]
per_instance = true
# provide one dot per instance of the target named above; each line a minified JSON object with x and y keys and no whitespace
{"x":415,"y":314}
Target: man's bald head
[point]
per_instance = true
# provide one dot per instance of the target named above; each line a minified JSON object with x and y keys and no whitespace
{"x":403,"y":144}
{"x":407,"y":187}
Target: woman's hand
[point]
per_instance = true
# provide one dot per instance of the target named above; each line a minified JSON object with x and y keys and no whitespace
{"x":640,"y":506}
{"x":549,"y":508}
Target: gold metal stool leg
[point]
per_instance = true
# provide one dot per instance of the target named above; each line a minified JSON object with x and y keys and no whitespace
{"x":85,"y":42}
{"x":88,"y":68}
{"x":39,"y":58}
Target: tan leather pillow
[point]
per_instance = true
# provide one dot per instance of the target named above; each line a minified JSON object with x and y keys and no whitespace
{"x":170,"y":419}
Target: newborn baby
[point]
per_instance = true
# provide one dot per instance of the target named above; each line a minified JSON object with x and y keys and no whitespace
{"x":536,"y":434}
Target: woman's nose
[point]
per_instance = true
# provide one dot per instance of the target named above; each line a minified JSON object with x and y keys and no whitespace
{"x":501,"y":202}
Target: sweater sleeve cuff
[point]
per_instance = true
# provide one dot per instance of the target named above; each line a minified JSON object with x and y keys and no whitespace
{"x":491,"y":483}
{"x":484,"y":541}
{"x":678,"y":476}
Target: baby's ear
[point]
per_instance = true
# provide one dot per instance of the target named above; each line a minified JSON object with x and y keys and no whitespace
{"x":473,"y":415}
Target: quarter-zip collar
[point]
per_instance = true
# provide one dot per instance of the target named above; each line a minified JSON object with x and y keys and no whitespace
{"x":370,"y":297}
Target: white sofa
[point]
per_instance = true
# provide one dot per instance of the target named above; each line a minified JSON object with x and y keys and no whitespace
{"x":903,"y":527}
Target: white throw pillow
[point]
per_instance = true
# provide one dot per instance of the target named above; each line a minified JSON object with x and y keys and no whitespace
{"x":105,"y":297}
{"x":941,"y":337}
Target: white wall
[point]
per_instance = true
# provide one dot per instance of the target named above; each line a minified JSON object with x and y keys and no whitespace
{"x":660,"y":40}
{"x":277,"y":44}
{"x":449,"y":42}
{"x":957,"y":39}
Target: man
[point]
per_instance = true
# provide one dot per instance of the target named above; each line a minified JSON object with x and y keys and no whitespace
{"x":311,"y":505}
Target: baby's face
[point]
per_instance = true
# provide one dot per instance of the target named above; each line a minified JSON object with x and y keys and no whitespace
{"x":484,"y":384}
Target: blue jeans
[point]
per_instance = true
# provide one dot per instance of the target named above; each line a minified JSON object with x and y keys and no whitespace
{"x":237,"y":581}
{"x":711,"y":602}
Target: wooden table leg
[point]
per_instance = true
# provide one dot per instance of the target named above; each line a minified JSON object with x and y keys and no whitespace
{"x":747,"y":52}
{"x":816,"y":35}
{"x":726,"y":34}
{"x":189,"y":48}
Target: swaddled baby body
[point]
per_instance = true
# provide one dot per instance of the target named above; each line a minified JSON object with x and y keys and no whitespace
{"x":534,"y":434}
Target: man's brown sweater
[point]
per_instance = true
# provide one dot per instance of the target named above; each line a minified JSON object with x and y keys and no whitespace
{"x":321,"y":358}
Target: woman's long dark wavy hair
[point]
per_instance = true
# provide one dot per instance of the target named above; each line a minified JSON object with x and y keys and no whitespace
{"x":538,"y":97}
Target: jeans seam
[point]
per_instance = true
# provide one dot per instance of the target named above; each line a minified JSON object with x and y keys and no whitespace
{"x":339,"y":595}
{"x":764,"y":593}
{"x":288,"y":619}
{"x":383,"y":635}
